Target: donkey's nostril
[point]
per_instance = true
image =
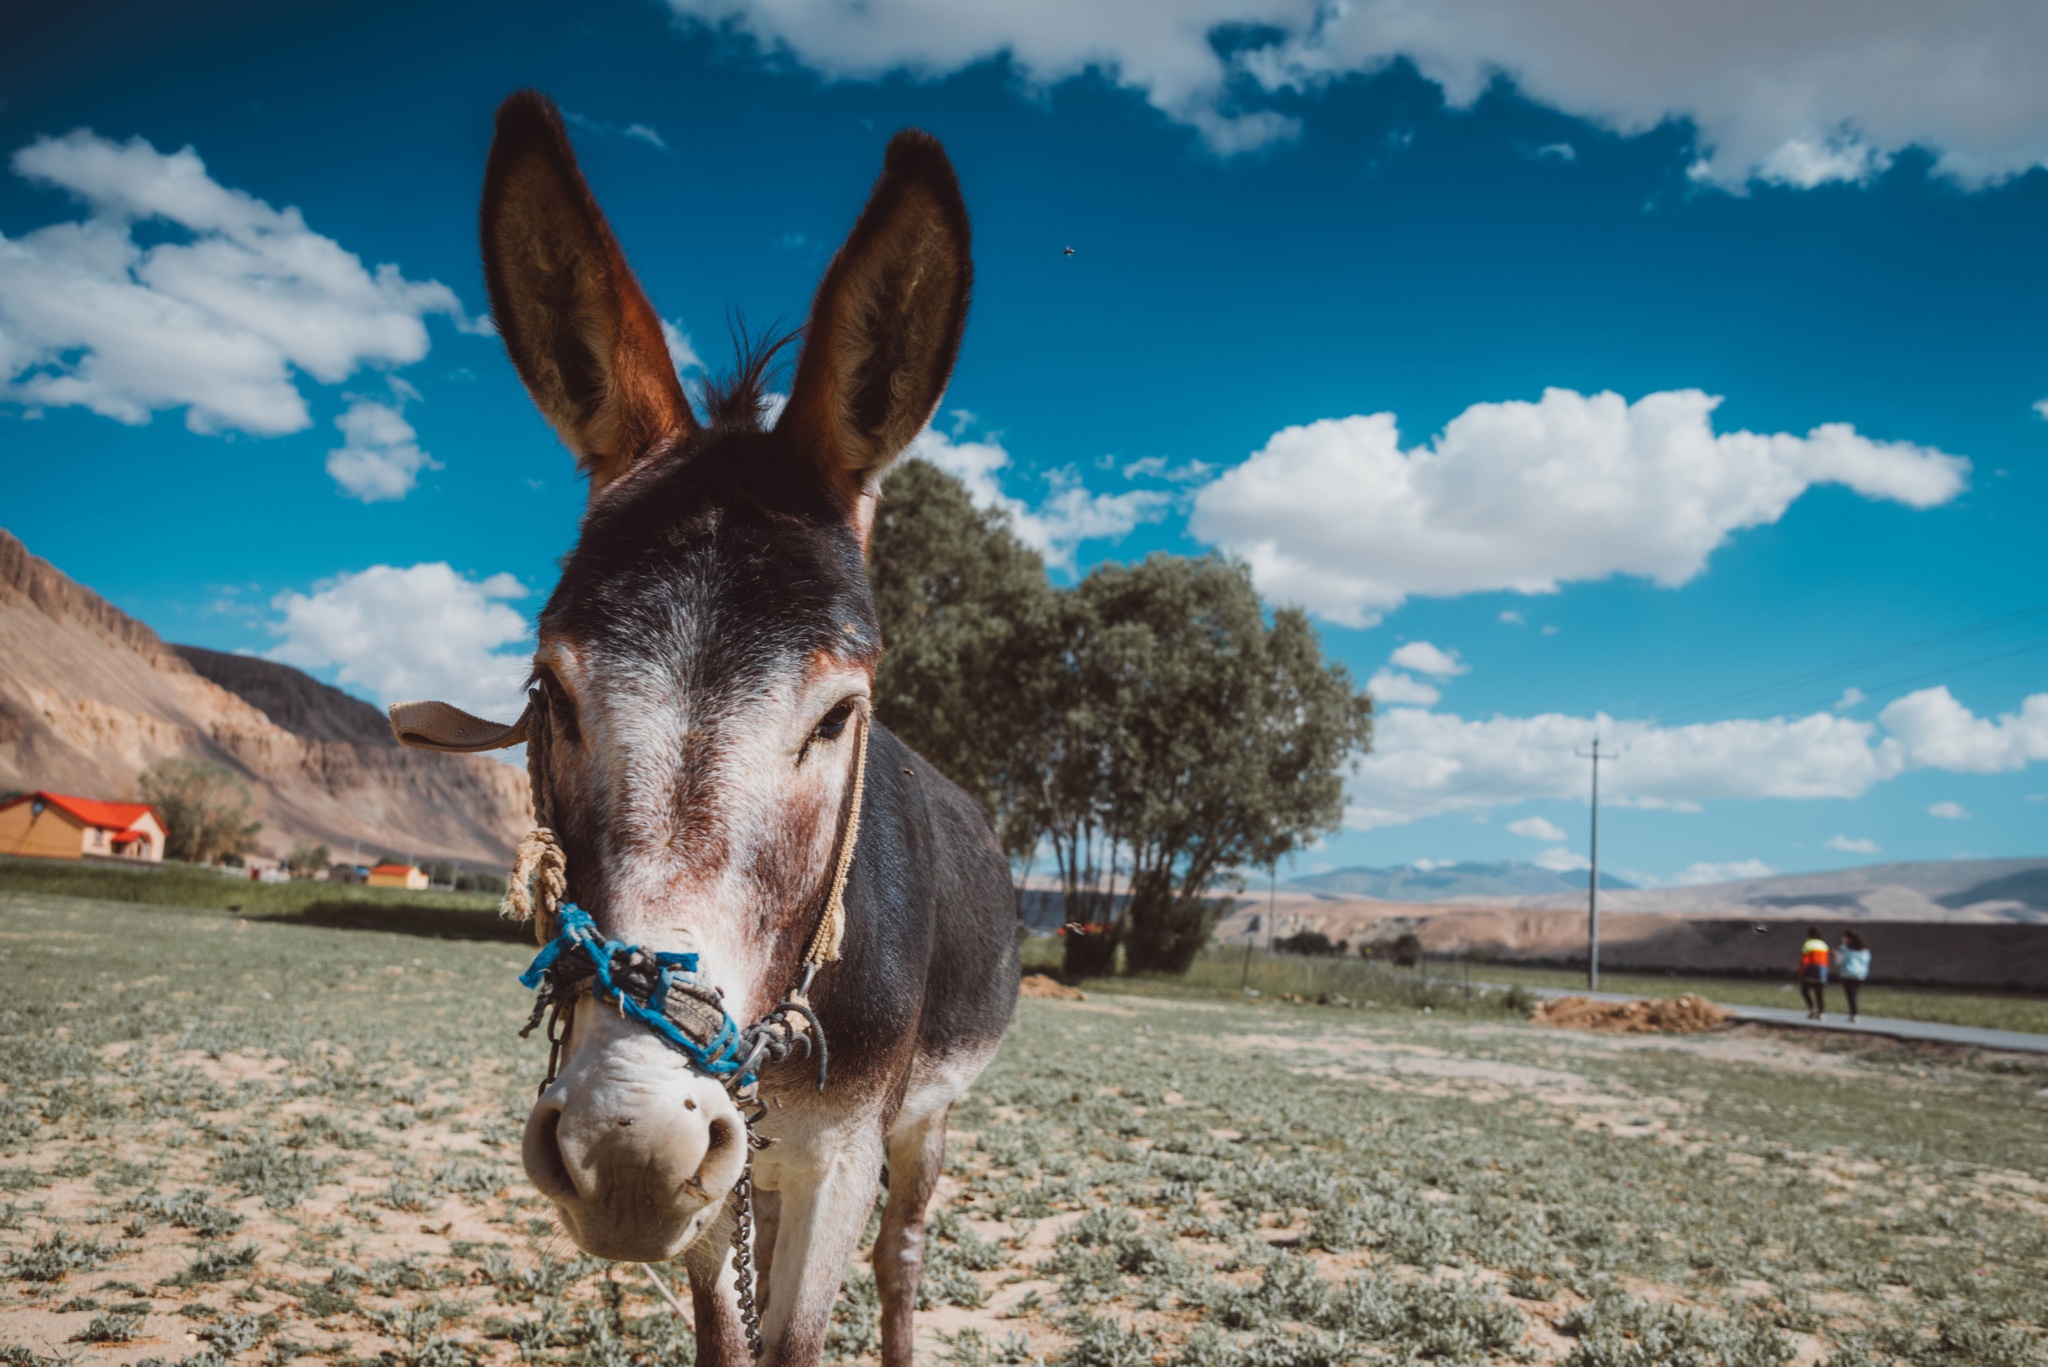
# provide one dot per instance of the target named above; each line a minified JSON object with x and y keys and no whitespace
{"x":541,"y":1151}
{"x":724,"y":1132}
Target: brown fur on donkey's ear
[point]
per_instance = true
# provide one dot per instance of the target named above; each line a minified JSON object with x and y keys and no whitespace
{"x":886,"y":325}
{"x":583,"y":336}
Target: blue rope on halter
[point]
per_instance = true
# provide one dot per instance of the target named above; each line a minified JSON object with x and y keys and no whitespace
{"x":720,"y":1057}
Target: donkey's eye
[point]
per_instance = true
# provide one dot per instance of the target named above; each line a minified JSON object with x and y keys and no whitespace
{"x":555,"y":700}
{"x":833,"y":724}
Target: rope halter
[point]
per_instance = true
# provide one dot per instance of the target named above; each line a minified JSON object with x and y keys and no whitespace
{"x":665,"y":992}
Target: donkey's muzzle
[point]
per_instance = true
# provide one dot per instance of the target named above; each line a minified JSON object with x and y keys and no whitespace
{"x":637,"y":1151}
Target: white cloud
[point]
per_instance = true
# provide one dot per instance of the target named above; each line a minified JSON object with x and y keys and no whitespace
{"x":1430,"y":763}
{"x":638,"y":132}
{"x":1854,"y":845}
{"x":1698,"y":875}
{"x":218,"y":320}
{"x":2041,"y":407}
{"x":1335,"y":515}
{"x":680,"y":353}
{"x":1069,"y":515}
{"x":1793,"y":93}
{"x":1851,"y":697}
{"x":1391,"y":688}
{"x":1937,"y":732}
{"x":1561,"y":860}
{"x":1804,"y":162}
{"x":380,"y":457}
{"x":1537,"y":828}
{"x":424,"y":631}
{"x":1513,"y":618}
{"x":1558,"y":151}
{"x":1424,"y":658}
{"x":1949,"y":811}
{"x":1426,"y":764}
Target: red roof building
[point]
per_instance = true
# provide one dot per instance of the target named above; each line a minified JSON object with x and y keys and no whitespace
{"x":397,"y":876}
{"x":47,"y":825}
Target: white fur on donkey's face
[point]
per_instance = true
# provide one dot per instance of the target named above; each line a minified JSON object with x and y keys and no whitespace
{"x":717,"y":828}
{"x":720,"y":817}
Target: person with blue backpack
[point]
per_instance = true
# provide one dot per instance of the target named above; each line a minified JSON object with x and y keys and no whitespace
{"x":1852,"y":962}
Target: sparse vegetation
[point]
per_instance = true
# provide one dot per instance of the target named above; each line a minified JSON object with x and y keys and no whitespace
{"x":1162,"y":1178}
{"x":309,"y":859}
{"x":352,"y":906}
{"x":208,"y":811}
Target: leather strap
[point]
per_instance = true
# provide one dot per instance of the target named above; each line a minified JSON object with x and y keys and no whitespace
{"x":439,"y":726}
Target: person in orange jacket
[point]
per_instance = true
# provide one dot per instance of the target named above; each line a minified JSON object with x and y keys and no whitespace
{"x":1813,"y":973}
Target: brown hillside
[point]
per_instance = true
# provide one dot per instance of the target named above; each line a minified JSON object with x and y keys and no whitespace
{"x":89,"y":697}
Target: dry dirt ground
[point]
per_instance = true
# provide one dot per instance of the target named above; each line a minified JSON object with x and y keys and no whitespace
{"x":230,"y":1140}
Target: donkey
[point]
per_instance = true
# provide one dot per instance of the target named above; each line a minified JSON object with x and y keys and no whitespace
{"x":697,"y":710}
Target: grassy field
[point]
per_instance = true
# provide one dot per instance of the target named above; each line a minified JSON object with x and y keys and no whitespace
{"x":1437,"y":984}
{"x":467,"y":915}
{"x":1991,"y":1010}
{"x":269,"y":1142}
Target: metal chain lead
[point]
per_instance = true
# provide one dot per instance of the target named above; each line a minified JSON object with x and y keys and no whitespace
{"x":743,"y":1255}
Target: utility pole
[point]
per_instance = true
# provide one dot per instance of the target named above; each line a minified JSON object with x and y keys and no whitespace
{"x":1593,"y":878}
{"x":1272,"y":901}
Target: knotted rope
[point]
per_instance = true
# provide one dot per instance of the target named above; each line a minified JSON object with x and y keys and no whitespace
{"x":537,"y":883}
{"x":663,"y":991}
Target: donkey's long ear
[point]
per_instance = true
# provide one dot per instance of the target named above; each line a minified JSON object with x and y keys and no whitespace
{"x":886,"y":324}
{"x":586,"y":341}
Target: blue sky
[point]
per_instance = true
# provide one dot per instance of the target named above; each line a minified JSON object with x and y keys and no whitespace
{"x":1710,"y":353}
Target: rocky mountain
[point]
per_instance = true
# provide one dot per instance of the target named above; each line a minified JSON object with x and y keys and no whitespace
{"x":292,"y":698}
{"x":89,"y":697}
{"x":1920,"y":890}
{"x":1449,"y":882}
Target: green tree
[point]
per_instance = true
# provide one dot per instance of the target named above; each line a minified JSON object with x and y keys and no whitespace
{"x":1149,"y":726}
{"x":208,"y":810}
{"x":969,"y":625}
{"x":309,"y":859}
{"x":1225,"y":745}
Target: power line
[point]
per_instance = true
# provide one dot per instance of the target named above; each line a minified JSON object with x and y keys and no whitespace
{"x":1861,"y":662}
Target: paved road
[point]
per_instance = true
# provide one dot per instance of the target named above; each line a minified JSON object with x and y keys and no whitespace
{"x":2018,"y":1041}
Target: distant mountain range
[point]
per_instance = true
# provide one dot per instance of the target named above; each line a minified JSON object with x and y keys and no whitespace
{"x":1450,"y":882}
{"x":1920,"y":890}
{"x":89,"y":697}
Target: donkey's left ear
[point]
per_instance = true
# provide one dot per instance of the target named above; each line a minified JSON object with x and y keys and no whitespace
{"x":886,"y":324}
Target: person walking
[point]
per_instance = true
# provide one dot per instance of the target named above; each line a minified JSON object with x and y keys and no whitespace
{"x":1813,"y":973}
{"x":1852,"y":961}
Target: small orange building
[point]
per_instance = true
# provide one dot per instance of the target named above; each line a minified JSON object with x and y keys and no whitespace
{"x":59,"y":826}
{"x":397,"y":876}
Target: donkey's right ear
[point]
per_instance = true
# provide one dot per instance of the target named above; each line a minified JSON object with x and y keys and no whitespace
{"x":584,"y":338}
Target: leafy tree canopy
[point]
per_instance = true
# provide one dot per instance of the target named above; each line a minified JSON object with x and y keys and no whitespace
{"x":1151,"y":725}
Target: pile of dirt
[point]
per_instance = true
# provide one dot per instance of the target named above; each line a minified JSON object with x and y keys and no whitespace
{"x":1684,"y":1016}
{"x":1049,"y":989}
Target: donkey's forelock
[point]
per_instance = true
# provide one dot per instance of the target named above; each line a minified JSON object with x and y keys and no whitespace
{"x":728,"y":555}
